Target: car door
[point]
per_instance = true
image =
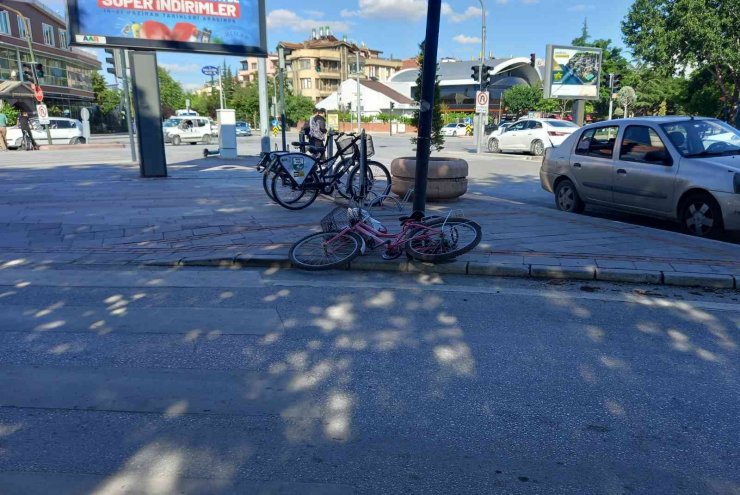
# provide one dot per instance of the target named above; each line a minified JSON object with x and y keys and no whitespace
{"x":60,"y":131}
{"x":645,"y":173}
{"x":510,"y":140}
{"x":592,"y":163}
{"x":532,"y":132}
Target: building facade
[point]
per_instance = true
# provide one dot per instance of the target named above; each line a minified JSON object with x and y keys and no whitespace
{"x":318,"y":66}
{"x":248,"y":71}
{"x":458,"y":89}
{"x":67,"y":71}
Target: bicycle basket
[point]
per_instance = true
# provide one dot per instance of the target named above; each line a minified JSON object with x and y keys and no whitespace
{"x":346,"y":142}
{"x":370,"y":146}
{"x":336,"y":220}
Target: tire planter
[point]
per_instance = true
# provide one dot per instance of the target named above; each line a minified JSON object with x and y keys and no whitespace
{"x":447,"y":177}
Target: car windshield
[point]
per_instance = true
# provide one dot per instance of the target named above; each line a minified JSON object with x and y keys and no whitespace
{"x":701,"y":138}
{"x":561,"y":123}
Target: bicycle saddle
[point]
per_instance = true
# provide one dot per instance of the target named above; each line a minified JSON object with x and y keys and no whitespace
{"x":315,"y":149}
{"x":298,"y":143}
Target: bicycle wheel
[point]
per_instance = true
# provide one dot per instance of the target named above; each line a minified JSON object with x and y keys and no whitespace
{"x":268,"y":174}
{"x":293,"y":197}
{"x":448,"y":239}
{"x":377,"y":179}
{"x":325,"y":250}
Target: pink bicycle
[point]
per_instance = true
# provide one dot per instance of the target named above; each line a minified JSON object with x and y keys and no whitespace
{"x":349,"y":232}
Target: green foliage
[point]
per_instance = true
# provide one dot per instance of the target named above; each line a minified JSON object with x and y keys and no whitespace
{"x":107,"y":99}
{"x":297,"y":108}
{"x":672,"y":36}
{"x":11,"y":113}
{"x":457,"y":116}
{"x":171,"y":94}
{"x":205,"y":104}
{"x":437,"y":139}
{"x":521,"y":98}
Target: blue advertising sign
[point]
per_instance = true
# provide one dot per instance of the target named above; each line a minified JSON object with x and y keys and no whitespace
{"x":210,"y":70}
{"x":204,"y":26}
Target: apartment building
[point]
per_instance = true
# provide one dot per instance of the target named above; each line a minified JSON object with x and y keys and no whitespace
{"x":248,"y":70}
{"x":317,"y":67}
{"x":67,"y":71}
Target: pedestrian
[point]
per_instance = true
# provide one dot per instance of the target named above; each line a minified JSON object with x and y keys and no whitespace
{"x":3,"y":132}
{"x":317,"y":126}
{"x":25,"y":124}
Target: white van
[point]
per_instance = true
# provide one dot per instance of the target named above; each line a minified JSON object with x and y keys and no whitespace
{"x":187,"y":113}
{"x":191,"y":130}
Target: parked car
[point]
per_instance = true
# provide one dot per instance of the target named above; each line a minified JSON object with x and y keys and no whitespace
{"x":532,"y":136}
{"x":191,"y":130}
{"x":684,"y":169}
{"x":453,"y":129}
{"x":63,"y":131}
{"x":243,"y":129}
{"x":501,"y":128}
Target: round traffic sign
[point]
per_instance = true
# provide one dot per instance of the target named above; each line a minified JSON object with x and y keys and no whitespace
{"x":37,"y":93}
{"x":210,"y":70}
{"x":483,"y":98}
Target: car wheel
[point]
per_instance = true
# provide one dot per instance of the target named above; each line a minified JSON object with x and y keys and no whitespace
{"x":538,"y":148}
{"x":454,"y":133}
{"x":206,"y":139}
{"x":176,"y":140}
{"x":701,"y":216}
{"x":567,"y":198}
{"x":494,"y":146}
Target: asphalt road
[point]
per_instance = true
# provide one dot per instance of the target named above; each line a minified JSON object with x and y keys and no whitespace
{"x":191,"y":381}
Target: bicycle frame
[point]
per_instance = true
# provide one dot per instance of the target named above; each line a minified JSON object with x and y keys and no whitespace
{"x":393,"y":241}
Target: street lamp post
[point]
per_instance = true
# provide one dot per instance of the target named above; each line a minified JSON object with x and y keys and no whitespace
{"x":477,"y":130}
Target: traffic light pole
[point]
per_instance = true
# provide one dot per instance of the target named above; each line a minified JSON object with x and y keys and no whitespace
{"x":124,"y":78}
{"x":477,"y":131}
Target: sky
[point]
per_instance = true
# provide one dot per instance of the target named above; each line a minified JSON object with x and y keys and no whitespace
{"x":514,"y":27}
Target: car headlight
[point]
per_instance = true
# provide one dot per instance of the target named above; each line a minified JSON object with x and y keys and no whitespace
{"x":736,"y":181}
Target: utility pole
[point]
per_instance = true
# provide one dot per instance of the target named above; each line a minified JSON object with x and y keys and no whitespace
{"x":611,"y":95}
{"x":262,"y":86}
{"x":359,"y":99}
{"x":124,"y":79}
{"x":221,"y":89}
{"x":281,"y":71}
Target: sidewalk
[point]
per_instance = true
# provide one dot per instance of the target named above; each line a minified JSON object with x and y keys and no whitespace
{"x":212,"y":212}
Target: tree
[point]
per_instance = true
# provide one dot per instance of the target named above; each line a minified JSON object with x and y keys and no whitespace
{"x":522,"y":98}
{"x":171,"y":94}
{"x":583,"y":38}
{"x":437,"y":139}
{"x":675,"y":36}
{"x":108,"y":100}
{"x":297,"y":108}
{"x":626,"y":98}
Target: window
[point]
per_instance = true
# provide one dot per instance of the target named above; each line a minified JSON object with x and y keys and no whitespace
{"x":533,"y":124}
{"x":519,"y":126}
{"x":63,"y":39}
{"x":254,"y":66}
{"x":598,"y":142}
{"x":642,"y":144}
{"x":304,"y":64}
{"x":48,"y":34}
{"x":22,"y":31}
{"x":4,"y":22}
{"x":306,"y":83}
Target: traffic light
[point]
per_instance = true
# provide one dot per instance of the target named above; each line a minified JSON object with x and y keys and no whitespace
{"x":113,"y":61}
{"x":28,"y":73}
{"x":39,"y":71}
{"x":532,"y":59}
{"x":318,"y":65}
{"x":486,"y":76}
{"x":393,"y":105}
{"x":616,"y":82}
{"x":476,"y":73}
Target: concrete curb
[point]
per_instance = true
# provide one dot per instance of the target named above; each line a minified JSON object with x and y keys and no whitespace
{"x":62,"y":147}
{"x":471,"y":268}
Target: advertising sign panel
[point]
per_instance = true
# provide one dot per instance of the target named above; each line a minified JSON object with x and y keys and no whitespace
{"x":572,"y":73}
{"x":204,"y":26}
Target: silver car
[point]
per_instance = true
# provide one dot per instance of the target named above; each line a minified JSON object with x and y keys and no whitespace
{"x":679,"y":168}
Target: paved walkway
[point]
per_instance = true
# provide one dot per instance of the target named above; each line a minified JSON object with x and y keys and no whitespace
{"x":214,"y":210}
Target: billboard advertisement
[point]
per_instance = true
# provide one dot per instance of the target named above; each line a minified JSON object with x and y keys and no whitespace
{"x":231,"y":27}
{"x":572,"y":73}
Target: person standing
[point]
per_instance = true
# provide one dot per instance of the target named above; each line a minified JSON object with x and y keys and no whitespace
{"x":25,"y":124}
{"x":317,"y":126}
{"x":3,"y":132}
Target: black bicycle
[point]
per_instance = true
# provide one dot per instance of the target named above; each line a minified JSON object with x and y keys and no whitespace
{"x":298,"y":178}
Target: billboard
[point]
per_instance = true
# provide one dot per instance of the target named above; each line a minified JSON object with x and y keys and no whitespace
{"x":230,"y":27}
{"x":572,"y":73}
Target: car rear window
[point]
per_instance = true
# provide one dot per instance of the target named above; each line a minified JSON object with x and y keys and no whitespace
{"x":560,"y":123}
